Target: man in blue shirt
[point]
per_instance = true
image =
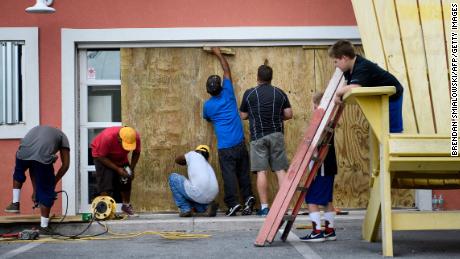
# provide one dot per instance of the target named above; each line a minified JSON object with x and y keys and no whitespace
{"x":221,"y":110}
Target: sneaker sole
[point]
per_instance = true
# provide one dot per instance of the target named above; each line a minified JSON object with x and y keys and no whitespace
{"x":314,"y":240}
{"x":234,"y":211}
{"x":248,"y":209}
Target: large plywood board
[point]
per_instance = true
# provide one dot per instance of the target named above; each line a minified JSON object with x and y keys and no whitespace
{"x":163,"y":91}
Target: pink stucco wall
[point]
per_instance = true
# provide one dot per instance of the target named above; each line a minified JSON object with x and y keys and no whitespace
{"x":143,"y":14}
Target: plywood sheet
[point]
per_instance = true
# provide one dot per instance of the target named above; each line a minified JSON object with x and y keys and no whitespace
{"x":163,"y":91}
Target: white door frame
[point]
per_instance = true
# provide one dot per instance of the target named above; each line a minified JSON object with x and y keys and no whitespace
{"x":72,"y":39}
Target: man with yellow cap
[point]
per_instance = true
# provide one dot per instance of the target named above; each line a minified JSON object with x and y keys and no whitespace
{"x":200,"y":189}
{"x":114,"y":172}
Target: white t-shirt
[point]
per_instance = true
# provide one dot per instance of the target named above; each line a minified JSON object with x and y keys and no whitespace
{"x":202,"y":183}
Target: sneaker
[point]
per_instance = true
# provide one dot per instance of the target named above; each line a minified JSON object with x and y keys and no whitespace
{"x":46,"y":231}
{"x":329,"y":234}
{"x":314,"y":236}
{"x":185,"y":214}
{"x":233,"y":210}
{"x":128,"y":209}
{"x":263,"y":213}
{"x":13,"y":207}
{"x":249,"y":206}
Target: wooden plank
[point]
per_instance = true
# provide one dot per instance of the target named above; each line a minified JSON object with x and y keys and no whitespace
{"x":225,"y":51}
{"x":424,"y":163}
{"x":391,"y":39}
{"x":372,"y":219}
{"x":421,"y":220}
{"x":36,"y":219}
{"x":369,"y":31}
{"x":369,"y":91}
{"x":419,"y":147}
{"x":419,"y":136}
{"x":434,"y":38}
{"x":385,"y":180}
{"x":414,"y":55}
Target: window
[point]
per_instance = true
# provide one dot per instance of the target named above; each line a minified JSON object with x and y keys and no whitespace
{"x":10,"y":82}
{"x":19,"y":91}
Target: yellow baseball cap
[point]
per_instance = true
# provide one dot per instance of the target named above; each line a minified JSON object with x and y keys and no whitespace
{"x":204,"y":148}
{"x":128,"y":138}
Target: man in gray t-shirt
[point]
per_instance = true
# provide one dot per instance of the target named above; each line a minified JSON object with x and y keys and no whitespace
{"x":37,"y":153}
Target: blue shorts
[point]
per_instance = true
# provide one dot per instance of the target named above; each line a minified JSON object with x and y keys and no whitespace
{"x":320,"y":191}
{"x":396,"y":121}
{"x":43,"y":175}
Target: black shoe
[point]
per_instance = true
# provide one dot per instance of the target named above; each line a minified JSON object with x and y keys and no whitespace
{"x":47,"y":231}
{"x":13,"y":208}
{"x":233,"y":210}
{"x":249,"y":206}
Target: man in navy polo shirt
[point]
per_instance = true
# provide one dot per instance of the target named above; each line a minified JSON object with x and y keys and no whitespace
{"x":359,"y":71}
{"x":221,"y":110}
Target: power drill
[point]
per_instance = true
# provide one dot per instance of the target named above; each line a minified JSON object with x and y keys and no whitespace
{"x":27,"y":234}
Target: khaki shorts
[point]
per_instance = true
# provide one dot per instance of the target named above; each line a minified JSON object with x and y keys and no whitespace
{"x":269,"y":152}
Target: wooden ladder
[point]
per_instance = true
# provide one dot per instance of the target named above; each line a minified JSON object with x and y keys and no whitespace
{"x":313,"y":147}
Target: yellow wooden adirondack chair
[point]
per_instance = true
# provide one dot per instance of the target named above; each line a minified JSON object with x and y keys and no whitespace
{"x":408,"y":38}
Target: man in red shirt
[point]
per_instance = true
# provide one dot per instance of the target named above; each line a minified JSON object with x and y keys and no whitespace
{"x":110,"y":151}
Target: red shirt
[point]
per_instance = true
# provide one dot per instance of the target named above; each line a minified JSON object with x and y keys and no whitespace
{"x":106,"y":145}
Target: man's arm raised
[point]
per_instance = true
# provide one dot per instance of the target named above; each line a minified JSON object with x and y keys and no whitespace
{"x":223,"y":62}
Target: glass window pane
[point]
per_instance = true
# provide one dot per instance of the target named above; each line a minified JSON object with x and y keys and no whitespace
{"x":92,"y":133}
{"x":104,"y":103}
{"x":103,"y":64}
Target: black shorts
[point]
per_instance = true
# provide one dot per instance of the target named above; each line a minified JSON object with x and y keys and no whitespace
{"x":43,"y":175}
{"x":109,"y":181}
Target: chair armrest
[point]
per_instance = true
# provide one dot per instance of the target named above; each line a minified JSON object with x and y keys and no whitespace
{"x":349,"y":97}
{"x":372,"y":103}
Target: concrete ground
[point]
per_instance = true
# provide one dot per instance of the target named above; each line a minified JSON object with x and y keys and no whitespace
{"x":229,"y":237}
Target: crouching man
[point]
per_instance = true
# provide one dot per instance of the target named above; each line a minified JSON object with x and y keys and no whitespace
{"x":110,"y":151}
{"x":198,"y":192}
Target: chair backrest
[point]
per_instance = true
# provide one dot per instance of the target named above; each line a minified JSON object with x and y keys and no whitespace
{"x":409,"y":39}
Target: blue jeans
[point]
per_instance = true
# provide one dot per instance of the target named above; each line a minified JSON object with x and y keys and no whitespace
{"x":183,"y":202}
{"x":396,"y":121}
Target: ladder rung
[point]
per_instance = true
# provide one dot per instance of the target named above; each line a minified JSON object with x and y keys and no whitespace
{"x":302,"y":189}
